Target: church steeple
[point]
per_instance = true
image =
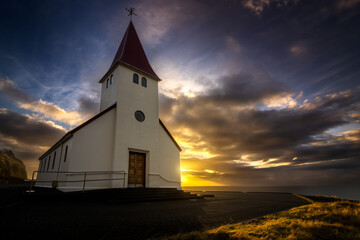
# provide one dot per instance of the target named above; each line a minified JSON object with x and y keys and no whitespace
{"x":131,"y":53}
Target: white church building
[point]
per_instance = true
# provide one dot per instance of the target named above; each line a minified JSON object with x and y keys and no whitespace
{"x":126,"y":144}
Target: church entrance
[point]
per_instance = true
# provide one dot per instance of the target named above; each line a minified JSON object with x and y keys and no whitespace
{"x":136,"y":169}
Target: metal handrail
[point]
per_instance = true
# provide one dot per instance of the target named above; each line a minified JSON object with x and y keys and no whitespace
{"x":158,"y":174}
{"x":84,"y":180}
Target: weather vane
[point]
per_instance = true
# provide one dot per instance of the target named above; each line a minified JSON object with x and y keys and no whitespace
{"x":131,"y":12}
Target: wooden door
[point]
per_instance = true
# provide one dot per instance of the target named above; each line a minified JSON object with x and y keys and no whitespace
{"x":136,"y":169}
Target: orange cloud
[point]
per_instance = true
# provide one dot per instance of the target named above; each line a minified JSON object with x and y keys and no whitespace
{"x":51,"y":111}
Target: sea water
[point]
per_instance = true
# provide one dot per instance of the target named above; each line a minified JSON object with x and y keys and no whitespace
{"x":344,"y":192}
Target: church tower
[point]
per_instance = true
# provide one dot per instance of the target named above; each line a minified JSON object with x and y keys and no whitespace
{"x":130,"y":55}
{"x":133,"y":85}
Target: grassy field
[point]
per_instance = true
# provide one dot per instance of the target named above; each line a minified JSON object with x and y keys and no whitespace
{"x":318,"y":220}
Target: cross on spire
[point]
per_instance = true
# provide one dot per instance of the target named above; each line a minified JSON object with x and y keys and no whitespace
{"x":131,"y":12}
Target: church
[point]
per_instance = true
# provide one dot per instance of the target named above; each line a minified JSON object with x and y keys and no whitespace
{"x":126,"y":145}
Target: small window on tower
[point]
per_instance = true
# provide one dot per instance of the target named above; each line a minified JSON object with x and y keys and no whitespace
{"x":107,"y":83}
{"x":111,"y":79}
{"x":135,"y":78}
{"x":143,"y":82}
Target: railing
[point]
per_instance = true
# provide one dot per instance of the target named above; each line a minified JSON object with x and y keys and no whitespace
{"x":158,"y":174}
{"x":85,"y":174}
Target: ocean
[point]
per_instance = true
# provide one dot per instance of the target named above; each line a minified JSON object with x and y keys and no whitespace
{"x":345,"y":192}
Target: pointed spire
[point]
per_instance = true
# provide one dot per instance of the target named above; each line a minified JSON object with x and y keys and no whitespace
{"x":131,"y":52}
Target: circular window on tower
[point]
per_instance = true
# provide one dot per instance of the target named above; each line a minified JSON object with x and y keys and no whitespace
{"x":140,"y":116}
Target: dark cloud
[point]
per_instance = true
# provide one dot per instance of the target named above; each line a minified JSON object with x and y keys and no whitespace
{"x":274,"y":136}
{"x":28,"y":130}
{"x":330,"y":173}
{"x":28,"y":137}
{"x":248,"y":86}
{"x":9,"y":88}
{"x":270,"y":132}
{"x":88,"y":106}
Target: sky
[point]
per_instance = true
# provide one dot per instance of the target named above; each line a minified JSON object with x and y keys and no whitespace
{"x":256,"y":92}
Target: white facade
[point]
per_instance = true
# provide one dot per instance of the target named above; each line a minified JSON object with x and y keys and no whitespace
{"x":104,"y":143}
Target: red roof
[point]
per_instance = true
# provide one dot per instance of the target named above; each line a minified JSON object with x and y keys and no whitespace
{"x":132,"y":53}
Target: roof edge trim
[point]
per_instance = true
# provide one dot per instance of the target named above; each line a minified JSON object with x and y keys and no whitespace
{"x":168,"y":133}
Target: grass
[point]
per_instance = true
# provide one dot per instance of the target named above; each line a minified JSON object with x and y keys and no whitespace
{"x":318,"y":220}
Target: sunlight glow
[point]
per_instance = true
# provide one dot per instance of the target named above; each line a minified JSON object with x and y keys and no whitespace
{"x":191,"y":177}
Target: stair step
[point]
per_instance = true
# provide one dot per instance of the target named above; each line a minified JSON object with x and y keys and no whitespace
{"x":113,"y":195}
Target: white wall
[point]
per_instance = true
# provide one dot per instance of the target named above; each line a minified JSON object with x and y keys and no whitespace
{"x":59,"y":165}
{"x":169,"y":156}
{"x":131,"y":134}
{"x":92,"y":150}
{"x":108,"y":95}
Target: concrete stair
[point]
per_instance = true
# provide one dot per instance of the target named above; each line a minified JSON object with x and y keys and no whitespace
{"x":115,"y":195}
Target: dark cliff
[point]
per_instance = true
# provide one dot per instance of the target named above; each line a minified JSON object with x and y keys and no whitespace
{"x":11,"y":167}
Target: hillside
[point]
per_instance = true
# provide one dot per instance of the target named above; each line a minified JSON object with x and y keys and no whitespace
{"x":319,"y":220}
{"x":11,"y":168}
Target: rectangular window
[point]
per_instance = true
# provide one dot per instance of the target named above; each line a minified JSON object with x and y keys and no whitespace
{"x":65,"y":153}
{"x":107,"y":83}
{"x":53,"y":163}
{"x":48,"y":163}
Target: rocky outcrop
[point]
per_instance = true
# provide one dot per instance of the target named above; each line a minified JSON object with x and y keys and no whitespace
{"x":10,"y":166}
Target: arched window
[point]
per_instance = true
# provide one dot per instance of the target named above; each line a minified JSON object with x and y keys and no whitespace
{"x":107,"y":83}
{"x":65,"y":153}
{"x":53,"y":164}
{"x":135,"y":78}
{"x":111,"y":79}
{"x":143,"y":82}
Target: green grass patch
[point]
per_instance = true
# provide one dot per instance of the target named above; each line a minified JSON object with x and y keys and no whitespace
{"x":319,"y":220}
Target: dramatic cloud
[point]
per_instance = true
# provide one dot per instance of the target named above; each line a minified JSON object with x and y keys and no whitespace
{"x":343,"y":4}
{"x":257,"y":6}
{"x":162,"y":16}
{"x":28,"y":137}
{"x":9,"y":88}
{"x":232,"y":44}
{"x":28,"y":130}
{"x":46,"y":109}
{"x":227,"y":128}
{"x":286,"y":121}
{"x":248,"y":86}
{"x":88,"y":106}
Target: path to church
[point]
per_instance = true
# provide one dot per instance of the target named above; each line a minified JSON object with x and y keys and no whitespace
{"x":54,"y":220}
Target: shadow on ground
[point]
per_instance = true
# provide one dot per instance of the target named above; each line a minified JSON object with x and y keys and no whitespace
{"x":87,"y":219}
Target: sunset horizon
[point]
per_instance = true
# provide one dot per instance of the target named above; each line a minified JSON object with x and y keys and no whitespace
{"x":256,"y":93}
